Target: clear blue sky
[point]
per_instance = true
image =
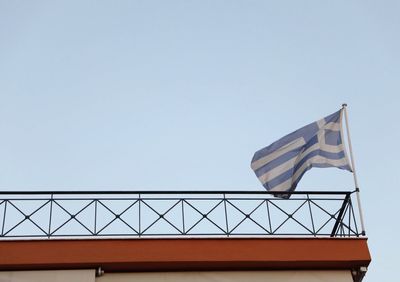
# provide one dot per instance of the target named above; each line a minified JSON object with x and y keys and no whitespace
{"x":180,"y":94}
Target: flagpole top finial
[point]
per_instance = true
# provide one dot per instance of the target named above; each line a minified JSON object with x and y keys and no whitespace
{"x":344,"y":105}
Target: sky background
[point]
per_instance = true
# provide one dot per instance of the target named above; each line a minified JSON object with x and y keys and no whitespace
{"x":165,"y":95}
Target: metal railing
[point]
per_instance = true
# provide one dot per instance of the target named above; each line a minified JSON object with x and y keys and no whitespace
{"x":175,"y":213}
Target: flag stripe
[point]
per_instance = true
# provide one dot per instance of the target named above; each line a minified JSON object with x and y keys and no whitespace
{"x":326,"y":155}
{"x":277,"y":162}
{"x":317,"y":161}
{"x":283,"y":186}
{"x":297,"y":143}
{"x":277,"y":170}
{"x":279,"y":179}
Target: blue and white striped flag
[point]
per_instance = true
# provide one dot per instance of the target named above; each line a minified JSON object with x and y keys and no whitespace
{"x":281,"y":165}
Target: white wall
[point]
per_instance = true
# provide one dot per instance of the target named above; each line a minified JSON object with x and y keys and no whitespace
{"x":48,"y":276}
{"x":231,"y":276}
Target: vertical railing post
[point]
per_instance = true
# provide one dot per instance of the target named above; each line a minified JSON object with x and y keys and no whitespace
{"x":95,"y":216}
{"x":183,"y":218}
{"x":226,"y":216}
{"x":268,"y":215}
{"x":349,"y":224}
{"x":50,"y":215}
{"x":354,"y":218}
{"x":140,"y":216}
{"x":311,"y":215}
{"x":4,"y":217}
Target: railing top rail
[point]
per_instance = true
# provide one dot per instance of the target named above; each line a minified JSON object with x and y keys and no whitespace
{"x":168,"y":192}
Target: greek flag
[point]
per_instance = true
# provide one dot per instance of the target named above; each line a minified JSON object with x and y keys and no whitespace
{"x":281,"y":165}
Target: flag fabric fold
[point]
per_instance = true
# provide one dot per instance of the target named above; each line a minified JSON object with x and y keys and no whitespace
{"x":281,"y":165}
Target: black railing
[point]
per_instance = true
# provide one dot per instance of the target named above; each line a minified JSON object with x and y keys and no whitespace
{"x":175,"y":213}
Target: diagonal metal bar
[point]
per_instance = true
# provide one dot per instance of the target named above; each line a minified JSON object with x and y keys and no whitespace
{"x":321,"y":208}
{"x":30,"y":217}
{"x":347,"y":227}
{"x":282,"y":223}
{"x":354,"y":218}
{"x":162,"y":216}
{"x":291,"y":216}
{"x":110,"y":222}
{"x":15,"y":225}
{"x":340,"y":216}
{"x":73,"y":217}
{"x":332,"y":217}
{"x":81,"y":210}
{"x":205,"y":216}
{"x":114,"y":219}
{"x":248,"y":216}
{"x":118,"y":216}
{"x":298,"y":222}
{"x":121,"y":219}
{"x":26,"y":217}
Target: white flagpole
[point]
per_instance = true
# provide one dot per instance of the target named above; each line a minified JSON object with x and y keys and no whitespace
{"x":354,"y":170}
